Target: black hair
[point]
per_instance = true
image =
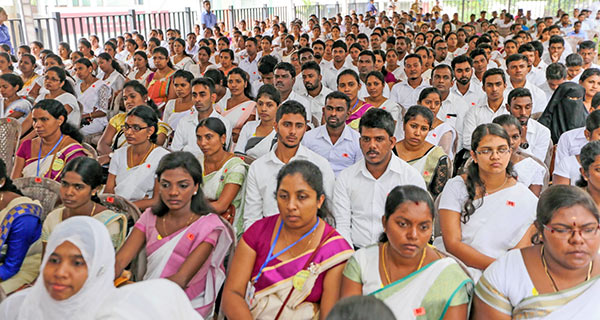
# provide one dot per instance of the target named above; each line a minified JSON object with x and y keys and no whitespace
{"x":556,"y":39}
{"x":144,"y":56}
{"x":414,"y":55}
{"x":588,"y":73}
{"x":286,"y":66}
{"x":84,"y":42}
{"x":588,"y":155}
{"x":443,"y":66}
{"x":246,"y":78}
{"x":312,"y":175}
{"x":338,"y":95}
{"x":189,"y":163}
{"x":556,"y":71}
{"x":460,"y":59}
{"x":518,"y":93}
{"x":507,"y":120}
{"x":85,"y":61}
{"x":473,"y":180}
{"x":592,"y":121}
{"x":13,"y":79}
{"x":148,"y":116}
{"x":377,"y":75}
{"x":182,"y":43}
{"x":8,"y":60}
{"x":164,"y":52}
{"x":62,"y":76}
{"x":588,"y":44}
{"x":214,"y":124}
{"x":290,"y":107}
{"x":224,"y":39}
{"x":267,"y":64}
{"x":574,"y":60}
{"x":402,"y":194}
{"x":113,"y":63}
{"x":269,"y":91}
{"x":478,"y":52}
{"x":230,"y":52}
{"x":557,"y":197}
{"x":596,"y":101}
{"x":188,"y":76}
{"x":379,"y":119}
{"x":427,"y":91}
{"x":348,"y":72}
{"x":56,"y":109}
{"x":492,"y":72}
{"x":89,"y":170}
{"x":206,"y":82}
{"x":216,"y":75}
{"x":141,"y":89}
{"x":418,"y":110}
{"x":340,"y":44}
{"x":8,"y":184}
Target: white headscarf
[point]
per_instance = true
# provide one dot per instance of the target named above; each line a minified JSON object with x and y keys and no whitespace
{"x":156,"y":299}
{"x":93,"y":240}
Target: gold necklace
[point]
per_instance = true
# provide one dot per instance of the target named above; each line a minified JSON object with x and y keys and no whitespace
{"x":554,"y":286}
{"x":387,"y":276}
{"x":130,"y":156}
{"x":159,"y":237}
{"x":93,"y":209}
{"x":500,"y":187}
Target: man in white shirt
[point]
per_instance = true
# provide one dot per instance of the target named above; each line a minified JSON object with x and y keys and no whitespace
{"x":250,"y":62}
{"x":203,"y":95}
{"x":335,"y":141}
{"x":361,"y":189}
{"x":556,"y":74}
{"x":494,"y":84}
{"x":537,"y":74}
{"x":285,"y":77}
{"x":314,"y":90}
{"x":305,"y":55}
{"x":260,"y":187}
{"x":464,"y":87}
{"x":535,"y":137}
{"x":587,"y":50}
{"x":340,"y":61}
{"x":453,"y":107}
{"x":480,"y":66}
{"x":407,"y":93}
{"x":517,"y":67}
{"x":556,"y":50}
{"x":440,"y":48}
{"x":366,"y":64}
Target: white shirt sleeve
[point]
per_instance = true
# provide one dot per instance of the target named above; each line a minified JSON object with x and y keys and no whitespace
{"x":469,"y":125}
{"x":253,"y":200}
{"x":341,"y":208}
{"x":453,"y":194}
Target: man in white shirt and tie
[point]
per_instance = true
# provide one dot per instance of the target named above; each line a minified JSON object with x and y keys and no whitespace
{"x":361,"y":189}
{"x":335,"y":141}
{"x":260,"y":187}
{"x":203,"y":95}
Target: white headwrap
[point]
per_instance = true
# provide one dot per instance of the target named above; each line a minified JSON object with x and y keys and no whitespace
{"x":91,"y":237}
{"x":156,"y":299}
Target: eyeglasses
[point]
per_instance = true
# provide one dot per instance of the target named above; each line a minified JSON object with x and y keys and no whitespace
{"x":135,"y":127}
{"x":587,"y":233}
{"x":488,"y":152}
{"x":51,"y":79}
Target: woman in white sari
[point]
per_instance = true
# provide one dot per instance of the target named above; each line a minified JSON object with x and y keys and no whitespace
{"x":442,"y":133}
{"x":184,"y":242}
{"x":112,"y":72}
{"x":485,"y":212}
{"x":27,"y":65}
{"x":141,"y":67}
{"x":558,"y":277}
{"x":12,"y":105}
{"x":131,"y":171}
{"x":224,"y":173}
{"x":76,"y":275}
{"x":180,"y":59}
{"x":257,"y":137}
{"x":416,"y":279}
{"x":94,"y":95}
{"x":58,"y":87}
{"x":182,"y":106}
{"x":240,"y":108}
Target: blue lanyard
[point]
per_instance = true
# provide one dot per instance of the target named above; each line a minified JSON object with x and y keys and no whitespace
{"x":354,"y":106}
{"x":37,"y":172}
{"x":271,"y":257}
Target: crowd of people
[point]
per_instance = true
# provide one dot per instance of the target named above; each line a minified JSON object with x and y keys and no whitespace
{"x":399,"y":164}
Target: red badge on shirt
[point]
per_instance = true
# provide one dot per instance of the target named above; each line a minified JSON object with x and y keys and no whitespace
{"x":382,"y":108}
{"x":426,"y":173}
{"x":419,"y":312}
{"x":93,"y":86}
{"x":243,"y":109}
{"x":510,"y":203}
{"x":148,"y":165}
{"x":345,"y":155}
{"x":472,"y":103}
{"x":447,"y":116}
{"x":11,"y":111}
{"x":190,"y":236}
{"x":38,"y":180}
{"x":434,"y":135}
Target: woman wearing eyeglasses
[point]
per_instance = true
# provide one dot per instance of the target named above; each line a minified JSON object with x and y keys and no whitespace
{"x":558,"y":278}
{"x":485,"y":212}
{"x":131,"y":171}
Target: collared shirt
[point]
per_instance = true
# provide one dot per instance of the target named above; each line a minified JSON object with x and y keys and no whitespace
{"x":5,"y":37}
{"x":251,"y":67}
{"x":193,"y":51}
{"x":316,"y":103}
{"x":479,"y":115}
{"x":538,"y":97}
{"x":474,"y":95}
{"x":344,"y":153}
{"x":185,"y":135}
{"x":538,"y":139}
{"x":305,"y":102}
{"x":453,"y":111}
{"x":537,"y":75}
{"x":261,"y":183}
{"x":406,"y":95}
{"x":570,"y":144}
{"x":581,"y":34}
{"x":208,"y":19}
{"x":359,"y":198}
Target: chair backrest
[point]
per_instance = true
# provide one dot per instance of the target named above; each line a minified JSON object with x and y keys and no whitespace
{"x":119,"y":204}
{"x":10,"y":132}
{"x":90,"y":151}
{"x":246,"y":158}
{"x":46,"y":191}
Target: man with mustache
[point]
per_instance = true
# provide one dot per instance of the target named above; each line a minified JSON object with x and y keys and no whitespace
{"x":361,"y":189}
{"x":314,"y":90}
{"x":285,"y":77}
{"x":453,"y":107}
{"x":261,"y":181}
{"x":335,"y":141}
{"x":535,"y":137}
{"x":463,"y":87}
{"x":406,"y":93}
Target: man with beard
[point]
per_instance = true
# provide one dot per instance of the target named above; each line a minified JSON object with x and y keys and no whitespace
{"x":340,"y":61}
{"x":406,"y":93}
{"x":261,"y":181}
{"x":494,"y":84}
{"x":480,"y":65}
{"x":203,"y":96}
{"x":535,"y":137}
{"x":361,"y":189}
{"x":366,"y":64}
{"x":250,"y":62}
{"x":305,"y":55}
{"x":285,"y":77}
{"x":453,"y":107}
{"x":313,"y":90}
{"x":335,"y":141}
{"x":464,"y":88}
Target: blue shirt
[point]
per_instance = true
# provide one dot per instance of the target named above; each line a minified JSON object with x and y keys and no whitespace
{"x":371,"y":8}
{"x":208,"y":19}
{"x":344,"y":153}
{"x":24,"y":231}
{"x":5,"y":37}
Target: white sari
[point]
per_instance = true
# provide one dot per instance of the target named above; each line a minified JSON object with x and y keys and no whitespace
{"x":183,"y":64}
{"x":499,"y":222}
{"x":95,"y":98}
{"x":138,"y":182}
